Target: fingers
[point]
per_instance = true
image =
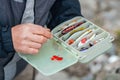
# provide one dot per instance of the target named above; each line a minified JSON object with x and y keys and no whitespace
{"x":28,"y":50}
{"x":33,"y":45}
{"x":30,"y":39}
{"x":38,"y":38}
{"x":41,"y":31}
{"x":29,"y":47}
{"x":32,"y":51}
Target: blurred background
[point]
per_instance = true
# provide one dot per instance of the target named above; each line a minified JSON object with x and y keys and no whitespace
{"x":104,"y":13}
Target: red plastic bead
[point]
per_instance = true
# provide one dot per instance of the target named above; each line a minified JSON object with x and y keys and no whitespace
{"x":54,"y":57}
{"x":60,"y":59}
{"x":83,"y":40}
{"x":70,"y":41}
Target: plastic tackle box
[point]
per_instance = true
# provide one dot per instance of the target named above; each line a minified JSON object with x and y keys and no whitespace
{"x":76,"y":40}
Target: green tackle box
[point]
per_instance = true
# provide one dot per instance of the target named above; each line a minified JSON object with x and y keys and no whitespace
{"x":70,"y":53}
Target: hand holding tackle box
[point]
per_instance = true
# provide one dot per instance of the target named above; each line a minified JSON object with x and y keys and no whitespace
{"x":75,"y":40}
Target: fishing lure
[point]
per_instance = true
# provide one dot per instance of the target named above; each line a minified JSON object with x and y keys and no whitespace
{"x":76,"y":30}
{"x":66,"y":25}
{"x":70,"y":23}
{"x":71,"y":41}
{"x":92,"y":43}
{"x":68,"y":29}
{"x":86,"y":39}
{"x":83,"y":48}
{"x":83,"y":40}
{"x":72,"y":32}
{"x":86,"y":33}
{"x":87,"y":47}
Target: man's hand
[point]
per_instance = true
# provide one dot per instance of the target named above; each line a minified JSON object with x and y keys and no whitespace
{"x":28,"y":38}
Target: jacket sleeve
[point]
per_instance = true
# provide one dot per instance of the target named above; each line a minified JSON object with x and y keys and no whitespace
{"x":63,"y":10}
{"x":6,"y":44}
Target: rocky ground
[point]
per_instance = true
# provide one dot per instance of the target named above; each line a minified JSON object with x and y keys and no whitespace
{"x":104,"y":13}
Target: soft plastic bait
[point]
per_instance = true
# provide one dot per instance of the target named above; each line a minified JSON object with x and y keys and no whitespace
{"x":76,"y":30}
{"x":92,"y":43}
{"x":89,"y":36}
{"x":68,"y":29}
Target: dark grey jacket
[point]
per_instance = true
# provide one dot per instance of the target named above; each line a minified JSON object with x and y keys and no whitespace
{"x":47,"y":12}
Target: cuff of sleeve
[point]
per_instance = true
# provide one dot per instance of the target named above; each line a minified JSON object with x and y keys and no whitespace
{"x":7,"y":39}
